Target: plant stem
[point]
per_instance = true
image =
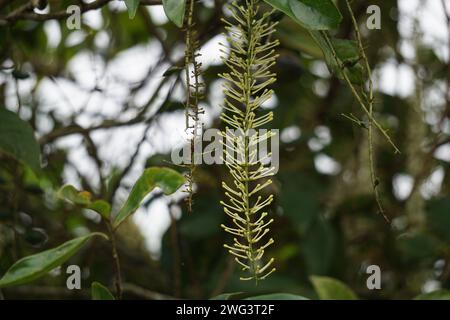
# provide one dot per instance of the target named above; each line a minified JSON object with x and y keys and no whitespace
{"x":356,"y":94}
{"x":363,"y":55}
{"x":115,"y":256}
{"x":247,"y":126}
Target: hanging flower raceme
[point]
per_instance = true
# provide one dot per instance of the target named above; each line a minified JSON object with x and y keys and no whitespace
{"x":249,"y":59}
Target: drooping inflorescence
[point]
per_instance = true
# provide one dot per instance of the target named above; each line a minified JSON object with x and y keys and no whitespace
{"x":249,"y":59}
{"x":194,"y":87}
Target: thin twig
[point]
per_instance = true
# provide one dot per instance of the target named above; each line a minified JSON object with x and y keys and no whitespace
{"x":362,"y":52}
{"x":355,"y":92}
{"x":126,"y":170}
{"x":193,"y":95}
{"x":25,"y":12}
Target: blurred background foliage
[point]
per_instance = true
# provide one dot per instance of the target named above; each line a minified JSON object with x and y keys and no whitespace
{"x":326,"y":216}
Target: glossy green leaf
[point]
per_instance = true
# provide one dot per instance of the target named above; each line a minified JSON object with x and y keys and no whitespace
{"x":332,"y":289}
{"x":167,"y":179}
{"x":132,"y":6}
{"x":311,"y":14}
{"x":317,"y":16}
{"x":347,"y":54}
{"x":101,"y":207}
{"x":175,"y":10}
{"x":17,"y":140}
{"x":35,"y":266}
{"x":100,"y":292}
{"x":435,"y":295}
{"x":278,"y":296}
{"x":84,"y":199}
{"x":70,"y":193}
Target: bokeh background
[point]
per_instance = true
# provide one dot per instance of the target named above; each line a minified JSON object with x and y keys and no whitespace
{"x":103,"y":110}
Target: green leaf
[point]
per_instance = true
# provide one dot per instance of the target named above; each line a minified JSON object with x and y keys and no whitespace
{"x":277,"y":296}
{"x":17,"y":140}
{"x":35,"y":266}
{"x":227,"y":296}
{"x":132,"y":6}
{"x":295,"y":37}
{"x":70,"y":193}
{"x":100,"y":292}
{"x":172,"y":70}
{"x":320,"y":247}
{"x":347,"y":53}
{"x":167,"y":179}
{"x":83,"y":198}
{"x":101,"y":207}
{"x":322,"y":15}
{"x":332,"y":289}
{"x":175,"y":10}
{"x":311,"y":14}
{"x":435,"y":295}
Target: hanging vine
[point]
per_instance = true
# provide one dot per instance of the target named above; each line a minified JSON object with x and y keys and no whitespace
{"x":365,"y":98}
{"x":194,"y":94}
